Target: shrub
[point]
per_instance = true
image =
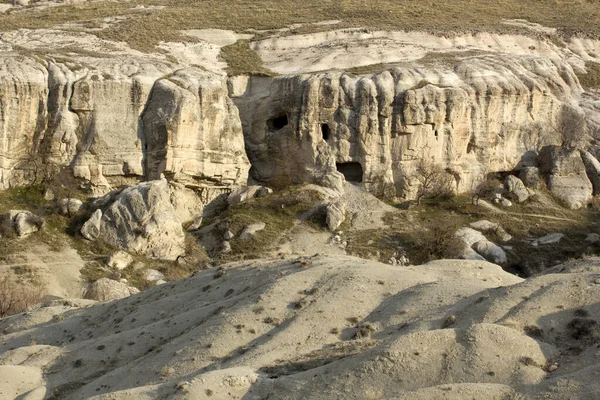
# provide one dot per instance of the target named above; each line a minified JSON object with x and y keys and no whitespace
{"x":17,"y":296}
{"x":433,"y":181}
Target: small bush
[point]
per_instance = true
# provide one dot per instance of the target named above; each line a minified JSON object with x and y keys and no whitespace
{"x":16,"y":296}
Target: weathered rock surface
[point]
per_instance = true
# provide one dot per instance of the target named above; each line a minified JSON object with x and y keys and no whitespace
{"x":515,"y":189}
{"x":91,"y":228}
{"x":490,"y":251}
{"x":592,"y":168}
{"x":566,"y":176}
{"x":107,"y":289}
{"x":70,"y":206}
{"x":487,"y":226}
{"x":530,"y":176}
{"x":549,"y":239}
{"x":142,"y":220}
{"x":249,"y":231}
{"x":152,"y":275}
{"x":22,"y":223}
{"x":243,"y":194}
{"x":336,"y":215}
{"x":119,"y":260}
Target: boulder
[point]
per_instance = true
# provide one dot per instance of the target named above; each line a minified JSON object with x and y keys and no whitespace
{"x":515,"y":189}
{"x":107,"y":289}
{"x":249,"y":231}
{"x":228,"y":235}
{"x":119,"y":260}
{"x":246,"y":193}
{"x":186,"y":202}
{"x":21,"y":222}
{"x":91,"y":228}
{"x":490,"y":251}
{"x":225,"y":247}
{"x":566,"y":176}
{"x":506,"y":203}
{"x":487,"y":226}
{"x":69,"y":206}
{"x":196,"y":224}
{"x":152,"y":275}
{"x":592,"y":169}
{"x":470,"y":254}
{"x":142,"y":220}
{"x":336,"y":215}
{"x":530,"y":176}
{"x":469,"y":236}
{"x":592,"y":238}
{"x":549,"y":239}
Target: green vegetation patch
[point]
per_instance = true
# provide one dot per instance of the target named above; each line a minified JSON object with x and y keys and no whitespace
{"x":243,"y":60}
{"x":591,"y":79}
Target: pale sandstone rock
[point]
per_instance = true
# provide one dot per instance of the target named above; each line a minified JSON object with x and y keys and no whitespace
{"x":515,"y":189}
{"x":107,"y":289}
{"x":249,"y":231}
{"x":530,"y":177}
{"x":23,"y":223}
{"x":490,"y":251}
{"x":487,"y":226}
{"x":566,"y":176}
{"x":243,"y":194}
{"x":336,"y":215}
{"x":119,"y":260}
{"x":549,"y":239}
{"x":152,"y":275}
{"x":91,"y":228}
{"x":70,"y":206}
{"x":469,"y":236}
{"x":142,"y":220}
{"x":592,"y":169}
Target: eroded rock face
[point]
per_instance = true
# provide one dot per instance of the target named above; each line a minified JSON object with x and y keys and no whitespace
{"x":566,"y":176}
{"x":118,"y":122}
{"x":143,"y":220}
{"x":482,"y":116}
{"x":107,"y":289}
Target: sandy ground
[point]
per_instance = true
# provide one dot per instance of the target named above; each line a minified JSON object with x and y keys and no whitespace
{"x":319,"y":328}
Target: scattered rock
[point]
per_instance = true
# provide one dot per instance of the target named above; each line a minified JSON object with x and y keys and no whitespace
{"x":490,"y":251}
{"x":592,"y":169}
{"x":91,"y":228}
{"x":243,"y":194}
{"x":196,"y":224}
{"x":70,"y":206}
{"x":142,"y":220}
{"x":23,"y":223}
{"x":336,"y":215}
{"x":470,"y":254}
{"x":152,"y":275}
{"x":487,"y":226}
{"x":566,"y":176}
{"x":249,"y":231}
{"x":119,"y":260}
{"x":506,"y":203}
{"x":549,"y":239}
{"x":530,"y":176}
{"x":160,"y":282}
{"x":107,"y":289}
{"x":515,"y":189}
{"x":226,"y":247}
{"x":469,"y":236}
{"x":228,"y":235}
{"x":592,"y":238}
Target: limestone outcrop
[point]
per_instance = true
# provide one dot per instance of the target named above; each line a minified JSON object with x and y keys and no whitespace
{"x":116,"y":122}
{"x":566,"y":176}
{"x":483,"y":116}
{"x":141,"y":220}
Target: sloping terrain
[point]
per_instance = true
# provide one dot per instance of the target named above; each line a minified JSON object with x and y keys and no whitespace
{"x":320,"y":328}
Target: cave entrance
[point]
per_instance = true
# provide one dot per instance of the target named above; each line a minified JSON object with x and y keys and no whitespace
{"x":277,"y":123}
{"x":352,"y":171}
{"x":325,"y":131}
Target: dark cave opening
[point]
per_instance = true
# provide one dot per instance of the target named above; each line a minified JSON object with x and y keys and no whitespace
{"x":277,"y":123}
{"x":325,"y":131}
{"x":352,"y":171}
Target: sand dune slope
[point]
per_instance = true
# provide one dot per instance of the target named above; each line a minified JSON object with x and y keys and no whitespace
{"x":319,"y":328}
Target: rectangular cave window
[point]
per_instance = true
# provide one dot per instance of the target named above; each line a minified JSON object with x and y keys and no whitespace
{"x":352,"y":171}
{"x":325,"y":131}
{"x":275,"y":124}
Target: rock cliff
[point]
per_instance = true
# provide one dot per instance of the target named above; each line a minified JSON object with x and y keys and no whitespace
{"x":117,"y":116}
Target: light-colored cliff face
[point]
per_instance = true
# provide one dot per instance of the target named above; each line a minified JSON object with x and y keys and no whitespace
{"x":483,"y":115}
{"x":471,"y":105}
{"x":115,"y":118}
